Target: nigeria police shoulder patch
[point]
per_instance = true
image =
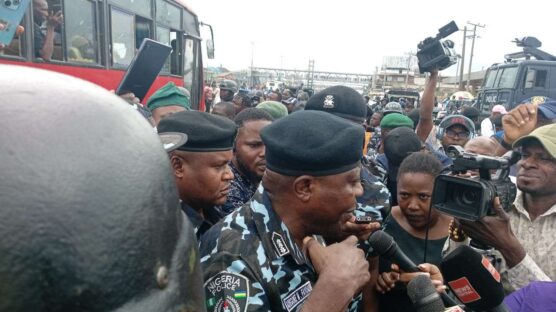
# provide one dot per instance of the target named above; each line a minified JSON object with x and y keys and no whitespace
{"x":227,"y":292}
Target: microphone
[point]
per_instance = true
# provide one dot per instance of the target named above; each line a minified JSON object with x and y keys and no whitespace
{"x":474,"y":280}
{"x":385,"y":246}
{"x":423,"y":295}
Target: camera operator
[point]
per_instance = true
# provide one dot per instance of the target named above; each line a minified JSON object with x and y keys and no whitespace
{"x":453,"y":130}
{"x":525,"y":234}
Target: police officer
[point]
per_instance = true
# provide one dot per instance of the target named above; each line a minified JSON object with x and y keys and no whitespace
{"x":347,"y":103}
{"x":166,"y":101}
{"x":253,"y":260}
{"x":200,"y":165}
{"x":89,"y":215}
{"x":227,"y":90}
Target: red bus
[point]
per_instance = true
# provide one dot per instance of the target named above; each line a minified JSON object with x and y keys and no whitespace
{"x":97,"y":39}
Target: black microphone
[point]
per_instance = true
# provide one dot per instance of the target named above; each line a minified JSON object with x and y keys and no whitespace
{"x":385,"y":246}
{"x":474,"y":280}
{"x":423,"y":295}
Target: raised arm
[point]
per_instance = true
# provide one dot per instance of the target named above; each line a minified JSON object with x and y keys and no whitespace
{"x":425,"y":124}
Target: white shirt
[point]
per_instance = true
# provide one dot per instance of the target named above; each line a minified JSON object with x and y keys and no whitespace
{"x":487,"y":128}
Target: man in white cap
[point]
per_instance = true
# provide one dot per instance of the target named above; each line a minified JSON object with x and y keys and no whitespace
{"x":487,"y":125}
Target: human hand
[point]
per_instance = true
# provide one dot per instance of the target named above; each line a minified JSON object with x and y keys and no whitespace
{"x":54,"y":19}
{"x":130,"y":98}
{"x":386,"y":281}
{"x":520,"y":121}
{"x":496,"y":231}
{"x":428,"y":269}
{"x":361,"y":230}
{"x":340,"y":263}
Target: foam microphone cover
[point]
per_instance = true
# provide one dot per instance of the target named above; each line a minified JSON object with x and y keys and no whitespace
{"x":423,"y":295}
{"x":473,"y":279}
{"x":381,"y":242}
{"x":384,"y":245}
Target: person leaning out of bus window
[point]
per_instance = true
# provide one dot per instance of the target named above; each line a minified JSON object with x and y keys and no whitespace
{"x":44,"y":42}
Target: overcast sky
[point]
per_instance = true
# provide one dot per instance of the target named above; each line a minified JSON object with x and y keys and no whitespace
{"x":354,"y":35}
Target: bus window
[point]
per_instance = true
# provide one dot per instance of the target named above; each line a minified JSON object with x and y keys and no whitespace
{"x":168,"y":14}
{"x":122,"y":32}
{"x":163,"y":35}
{"x":507,"y":78}
{"x":535,"y":78}
{"x":176,"y":56}
{"x":81,"y":45}
{"x":188,"y":68}
{"x":142,"y":7}
{"x":142,"y":30}
{"x":48,"y":21}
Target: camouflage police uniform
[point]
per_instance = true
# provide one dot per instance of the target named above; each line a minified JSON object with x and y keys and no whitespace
{"x":250,"y":259}
{"x":375,"y":201}
{"x":201,"y":223}
{"x":251,"y":263}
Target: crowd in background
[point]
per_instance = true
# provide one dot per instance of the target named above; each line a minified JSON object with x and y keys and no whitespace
{"x":273,"y":182}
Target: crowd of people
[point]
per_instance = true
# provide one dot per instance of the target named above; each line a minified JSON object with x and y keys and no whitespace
{"x":255,"y":204}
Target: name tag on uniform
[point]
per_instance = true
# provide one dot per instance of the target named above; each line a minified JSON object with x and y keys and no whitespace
{"x":297,"y":296}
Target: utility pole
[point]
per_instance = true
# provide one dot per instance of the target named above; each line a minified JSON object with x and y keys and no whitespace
{"x":460,"y":84}
{"x":252,"y":83}
{"x":281,"y":67}
{"x":458,"y":56}
{"x":311,"y":74}
{"x":409,"y":55}
{"x":472,"y":47}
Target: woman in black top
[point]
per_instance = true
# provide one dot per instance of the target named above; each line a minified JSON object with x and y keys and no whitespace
{"x":408,"y":223}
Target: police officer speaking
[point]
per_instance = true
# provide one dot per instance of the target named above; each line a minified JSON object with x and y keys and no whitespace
{"x":259,"y":258}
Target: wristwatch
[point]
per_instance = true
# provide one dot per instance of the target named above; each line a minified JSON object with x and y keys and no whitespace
{"x":505,"y":144}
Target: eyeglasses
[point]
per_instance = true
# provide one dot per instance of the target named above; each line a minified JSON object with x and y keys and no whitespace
{"x":454,"y":134}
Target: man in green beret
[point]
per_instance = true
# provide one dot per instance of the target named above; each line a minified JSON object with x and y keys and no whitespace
{"x":200,"y":163}
{"x":390,"y":122}
{"x":166,"y":101}
{"x":275,"y":109}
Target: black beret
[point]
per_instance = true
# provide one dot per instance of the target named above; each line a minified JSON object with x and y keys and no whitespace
{"x":341,"y":101}
{"x":400,"y":143}
{"x":313,"y":143}
{"x":205,"y":132}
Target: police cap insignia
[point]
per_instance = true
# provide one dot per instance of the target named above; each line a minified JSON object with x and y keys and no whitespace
{"x":329,"y":101}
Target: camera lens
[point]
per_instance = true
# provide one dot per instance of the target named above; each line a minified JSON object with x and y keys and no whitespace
{"x":469,"y":197}
{"x":7,"y":3}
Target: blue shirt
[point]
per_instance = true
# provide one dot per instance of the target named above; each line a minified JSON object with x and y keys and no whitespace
{"x":241,"y":191}
{"x":537,"y":296}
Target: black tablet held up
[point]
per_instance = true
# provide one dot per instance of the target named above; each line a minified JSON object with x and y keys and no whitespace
{"x":144,"y":68}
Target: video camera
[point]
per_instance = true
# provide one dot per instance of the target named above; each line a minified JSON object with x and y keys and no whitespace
{"x":472,"y":198}
{"x":436,"y":54}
